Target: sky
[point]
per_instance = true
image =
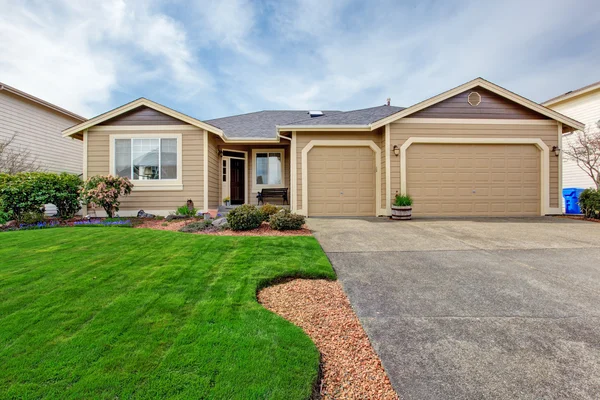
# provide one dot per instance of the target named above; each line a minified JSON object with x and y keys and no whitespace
{"x":210,"y":59}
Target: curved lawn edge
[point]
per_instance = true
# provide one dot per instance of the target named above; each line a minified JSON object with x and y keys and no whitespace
{"x":349,"y":366}
{"x":188,"y":310}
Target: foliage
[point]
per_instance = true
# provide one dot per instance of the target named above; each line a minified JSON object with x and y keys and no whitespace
{"x":285,"y":220}
{"x":64,"y":194}
{"x":4,"y":215}
{"x":32,"y":217}
{"x":104,"y":191}
{"x":267,"y":210}
{"x":226,"y":199}
{"x":403,"y":200}
{"x":589,"y":202}
{"x":15,"y":158}
{"x":108,"y":313}
{"x":244,"y":217}
{"x":584,"y":149}
{"x":185,"y":210}
{"x":196,"y":226}
{"x":27,"y":192}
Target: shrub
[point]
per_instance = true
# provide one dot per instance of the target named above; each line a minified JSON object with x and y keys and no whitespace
{"x":267,"y":210}
{"x":244,"y":217}
{"x":403,"y":200}
{"x":27,"y":192}
{"x":32,"y":217}
{"x":285,"y":220}
{"x":4,"y":215}
{"x":196,"y":226}
{"x":104,"y":191}
{"x":589,"y":201}
{"x":184,"y":210}
{"x":65,"y":194}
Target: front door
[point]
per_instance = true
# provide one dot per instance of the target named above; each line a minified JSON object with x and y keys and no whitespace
{"x":237,"y":185}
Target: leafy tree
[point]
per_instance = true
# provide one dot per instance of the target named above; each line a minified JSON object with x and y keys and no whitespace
{"x":104,"y":191}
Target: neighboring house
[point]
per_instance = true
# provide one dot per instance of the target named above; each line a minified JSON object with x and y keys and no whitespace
{"x":584,"y":105}
{"x":475,"y":150}
{"x":38,"y":126}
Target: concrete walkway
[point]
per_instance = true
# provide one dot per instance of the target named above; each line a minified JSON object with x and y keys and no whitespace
{"x":479,"y":308}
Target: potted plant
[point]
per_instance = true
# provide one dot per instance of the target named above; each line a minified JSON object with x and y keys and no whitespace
{"x":402,"y":207}
{"x":226,"y":201}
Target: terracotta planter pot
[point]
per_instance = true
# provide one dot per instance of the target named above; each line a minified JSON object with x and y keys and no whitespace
{"x":401,"y":212}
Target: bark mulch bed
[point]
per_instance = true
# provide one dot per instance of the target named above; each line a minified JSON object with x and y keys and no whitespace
{"x":351,"y":368}
{"x":578,"y":218}
{"x":263,"y":230}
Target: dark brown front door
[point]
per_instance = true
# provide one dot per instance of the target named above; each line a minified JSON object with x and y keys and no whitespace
{"x":237,"y":186}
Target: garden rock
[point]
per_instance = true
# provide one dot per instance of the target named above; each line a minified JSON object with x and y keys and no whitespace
{"x":142,"y":214}
{"x":219,"y":222}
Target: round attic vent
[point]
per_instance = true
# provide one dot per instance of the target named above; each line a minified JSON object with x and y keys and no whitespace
{"x":474,"y":99}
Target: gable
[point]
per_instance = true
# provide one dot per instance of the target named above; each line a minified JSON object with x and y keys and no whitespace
{"x":142,"y":115}
{"x":492,"y":106}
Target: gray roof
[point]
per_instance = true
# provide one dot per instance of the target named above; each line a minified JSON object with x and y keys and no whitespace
{"x":260,"y":124}
{"x":263,"y":124}
{"x":365,"y":116}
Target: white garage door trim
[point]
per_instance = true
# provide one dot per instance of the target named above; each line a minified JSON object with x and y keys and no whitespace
{"x":341,"y":143}
{"x":544,"y":163}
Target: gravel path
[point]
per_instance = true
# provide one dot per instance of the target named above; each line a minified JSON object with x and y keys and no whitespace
{"x":351,"y":368}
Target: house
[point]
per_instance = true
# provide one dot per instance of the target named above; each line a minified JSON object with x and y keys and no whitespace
{"x":584,"y":105}
{"x":38,"y":125}
{"x":475,"y":150}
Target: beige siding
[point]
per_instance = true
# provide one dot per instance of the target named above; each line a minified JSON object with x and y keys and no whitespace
{"x":169,"y":200}
{"x":39,"y":129}
{"x":214,"y":186}
{"x":382,"y":170}
{"x":586,"y":109}
{"x":303,"y":138}
{"x":401,"y":131}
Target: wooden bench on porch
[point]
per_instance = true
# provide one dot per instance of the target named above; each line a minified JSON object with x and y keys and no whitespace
{"x":281,"y":193}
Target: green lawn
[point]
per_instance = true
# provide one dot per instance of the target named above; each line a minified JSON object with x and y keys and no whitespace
{"x":121,"y":313}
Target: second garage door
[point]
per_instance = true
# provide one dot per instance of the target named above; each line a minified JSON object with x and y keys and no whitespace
{"x":477,"y":179}
{"x":341,"y":181}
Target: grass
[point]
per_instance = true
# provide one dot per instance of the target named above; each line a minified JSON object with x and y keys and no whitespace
{"x":135,"y":313}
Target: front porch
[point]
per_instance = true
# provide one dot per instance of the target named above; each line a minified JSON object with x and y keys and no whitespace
{"x":239,"y":172}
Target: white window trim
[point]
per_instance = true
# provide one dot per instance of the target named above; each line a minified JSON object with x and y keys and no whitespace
{"x":256,"y":187}
{"x":156,"y":185}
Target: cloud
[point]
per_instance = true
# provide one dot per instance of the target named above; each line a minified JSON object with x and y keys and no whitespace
{"x":76,"y":54}
{"x":216,"y":58}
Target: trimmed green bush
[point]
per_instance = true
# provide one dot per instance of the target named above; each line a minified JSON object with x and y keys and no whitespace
{"x":267,"y":210}
{"x":244,"y":217}
{"x":286,"y":221}
{"x":28,"y":192}
{"x":589,"y":202}
{"x":403,"y":200}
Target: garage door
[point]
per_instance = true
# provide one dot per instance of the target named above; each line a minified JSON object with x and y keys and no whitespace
{"x":341,"y":181}
{"x":478,"y":180}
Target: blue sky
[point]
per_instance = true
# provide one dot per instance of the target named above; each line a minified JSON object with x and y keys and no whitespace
{"x":217,"y":58}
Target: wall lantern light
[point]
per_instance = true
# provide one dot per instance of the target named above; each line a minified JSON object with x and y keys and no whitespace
{"x":396,"y":150}
{"x":556,"y":150}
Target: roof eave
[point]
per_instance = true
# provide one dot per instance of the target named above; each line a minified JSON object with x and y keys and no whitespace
{"x":572,"y":94}
{"x":37,"y":100}
{"x":284,"y":128}
{"x":135,"y":104}
{"x":486,"y":85}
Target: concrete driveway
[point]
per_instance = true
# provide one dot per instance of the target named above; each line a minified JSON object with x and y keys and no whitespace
{"x":479,"y":308}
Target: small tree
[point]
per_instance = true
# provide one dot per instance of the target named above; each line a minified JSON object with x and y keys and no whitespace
{"x":104,"y":191}
{"x":584,"y":149}
{"x":15,"y":159}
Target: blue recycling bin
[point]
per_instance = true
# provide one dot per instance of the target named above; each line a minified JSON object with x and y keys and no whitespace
{"x":571,"y":196}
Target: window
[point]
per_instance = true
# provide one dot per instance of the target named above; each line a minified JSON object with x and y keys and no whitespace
{"x":268,"y":168}
{"x":146,"y":159}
